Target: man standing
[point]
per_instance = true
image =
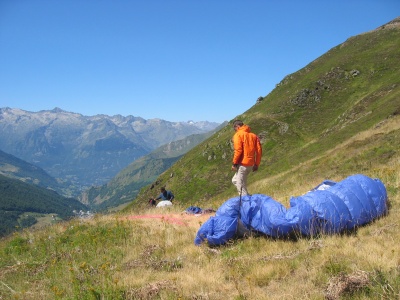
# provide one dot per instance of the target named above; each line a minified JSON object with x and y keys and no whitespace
{"x":246,"y":157}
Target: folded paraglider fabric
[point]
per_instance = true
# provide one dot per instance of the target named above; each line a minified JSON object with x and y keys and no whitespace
{"x":328,"y":208}
{"x":193,"y":210}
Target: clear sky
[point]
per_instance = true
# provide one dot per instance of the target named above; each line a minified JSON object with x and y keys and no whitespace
{"x":176,"y":60}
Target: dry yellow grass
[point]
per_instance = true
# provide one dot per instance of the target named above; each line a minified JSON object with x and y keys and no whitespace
{"x":160,"y":261}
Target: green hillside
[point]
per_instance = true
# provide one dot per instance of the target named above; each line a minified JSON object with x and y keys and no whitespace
{"x":19,"y":199}
{"x":354,"y":87}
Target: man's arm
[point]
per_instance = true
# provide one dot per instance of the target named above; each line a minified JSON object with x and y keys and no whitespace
{"x":258,"y":154}
{"x":238,"y":151}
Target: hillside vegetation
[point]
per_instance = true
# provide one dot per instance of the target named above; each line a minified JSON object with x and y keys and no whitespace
{"x":337,"y":116}
{"x":18,"y":200}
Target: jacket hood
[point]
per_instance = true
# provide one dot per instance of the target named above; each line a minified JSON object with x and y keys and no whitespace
{"x":245,"y":128}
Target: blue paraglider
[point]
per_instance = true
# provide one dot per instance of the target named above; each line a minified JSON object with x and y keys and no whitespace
{"x":328,"y":208}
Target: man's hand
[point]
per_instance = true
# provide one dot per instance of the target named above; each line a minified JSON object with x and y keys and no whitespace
{"x":234,"y":168}
{"x":255,"y":168}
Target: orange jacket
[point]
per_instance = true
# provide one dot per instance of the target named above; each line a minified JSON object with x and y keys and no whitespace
{"x":247,"y":147}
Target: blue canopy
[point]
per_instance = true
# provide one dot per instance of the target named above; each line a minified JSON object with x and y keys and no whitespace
{"x":328,"y":208}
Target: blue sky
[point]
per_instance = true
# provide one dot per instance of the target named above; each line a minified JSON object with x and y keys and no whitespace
{"x":176,"y":60}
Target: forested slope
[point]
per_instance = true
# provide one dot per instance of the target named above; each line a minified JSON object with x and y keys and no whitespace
{"x":18,"y":198}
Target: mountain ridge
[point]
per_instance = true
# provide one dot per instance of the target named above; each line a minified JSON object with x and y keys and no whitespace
{"x":84,"y":151}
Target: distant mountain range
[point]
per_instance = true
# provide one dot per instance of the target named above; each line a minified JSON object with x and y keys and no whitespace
{"x":82,"y":151}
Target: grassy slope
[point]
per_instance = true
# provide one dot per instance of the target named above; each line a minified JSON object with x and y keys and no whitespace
{"x":349,"y":125}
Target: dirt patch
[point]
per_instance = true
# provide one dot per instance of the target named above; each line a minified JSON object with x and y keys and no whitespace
{"x":346,"y":284}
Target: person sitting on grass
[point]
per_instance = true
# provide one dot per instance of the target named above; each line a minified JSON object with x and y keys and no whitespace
{"x":165,"y":195}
